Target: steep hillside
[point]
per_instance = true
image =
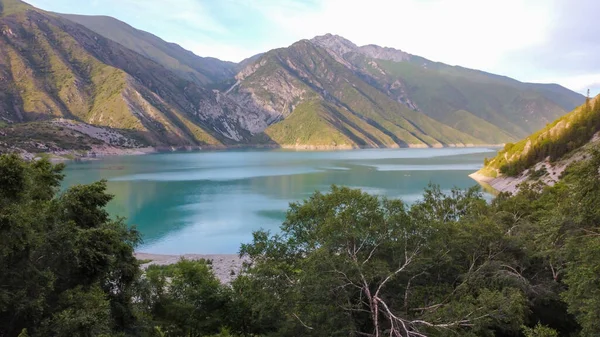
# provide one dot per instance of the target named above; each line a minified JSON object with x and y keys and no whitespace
{"x":460,"y":97}
{"x":320,"y":93}
{"x":201,"y":70}
{"x":51,"y":67}
{"x":320,"y":99}
{"x":546,"y":153}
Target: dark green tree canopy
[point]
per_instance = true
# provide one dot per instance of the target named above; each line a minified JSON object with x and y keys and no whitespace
{"x":67,"y":269}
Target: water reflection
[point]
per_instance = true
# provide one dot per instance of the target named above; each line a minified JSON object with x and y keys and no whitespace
{"x":210,"y":202}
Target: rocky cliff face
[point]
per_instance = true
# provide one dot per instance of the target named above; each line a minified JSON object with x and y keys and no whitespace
{"x":384,"y":53}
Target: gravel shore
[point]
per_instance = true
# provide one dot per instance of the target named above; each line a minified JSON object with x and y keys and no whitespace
{"x":222,"y":264}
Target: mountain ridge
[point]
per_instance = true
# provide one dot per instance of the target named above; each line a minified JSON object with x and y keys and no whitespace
{"x":201,"y":70}
{"x":325,"y":92}
{"x":74,"y":73}
{"x":416,"y":72}
{"x":304,"y":72}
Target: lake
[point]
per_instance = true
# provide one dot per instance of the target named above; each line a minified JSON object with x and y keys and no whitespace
{"x":210,"y":202}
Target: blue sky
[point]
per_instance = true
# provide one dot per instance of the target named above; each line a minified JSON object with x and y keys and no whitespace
{"x":530,"y":40}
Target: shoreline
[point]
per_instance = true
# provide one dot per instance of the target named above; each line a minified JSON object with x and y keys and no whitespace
{"x":511,"y":184}
{"x":226,"y":267}
{"x":99,"y":152}
{"x":495,"y":185}
{"x":553,"y":170}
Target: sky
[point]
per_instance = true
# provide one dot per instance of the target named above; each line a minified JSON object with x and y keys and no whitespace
{"x":546,"y":41}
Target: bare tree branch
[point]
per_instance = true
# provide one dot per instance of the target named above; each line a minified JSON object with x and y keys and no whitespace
{"x":303,"y":324}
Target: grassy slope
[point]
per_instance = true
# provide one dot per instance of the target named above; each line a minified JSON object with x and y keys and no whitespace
{"x":10,"y":7}
{"x":310,"y":123}
{"x":182,"y":62}
{"x":56,"y":76}
{"x":321,"y":124}
{"x":563,"y":97}
{"x":376,"y":117}
{"x":553,"y":133}
{"x":53,"y":68}
{"x":477,"y":127}
{"x":442,"y":92}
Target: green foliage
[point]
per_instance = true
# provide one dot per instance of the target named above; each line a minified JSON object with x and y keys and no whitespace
{"x":67,"y":269}
{"x":580,"y":248}
{"x":186,"y":299}
{"x":348,"y":263}
{"x":556,"y":140}
{"x":539,"y":331}
{"x":536,"y":174}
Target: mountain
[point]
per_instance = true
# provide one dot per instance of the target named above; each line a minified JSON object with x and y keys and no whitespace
{"x":51,"y":67}
{"x":201,"y":70}
{"x":546,"y":153}
{"x":375,"y":96}
{"x":463,"y":98}
{"x":98,"y":72}
{"x":309,"y":98}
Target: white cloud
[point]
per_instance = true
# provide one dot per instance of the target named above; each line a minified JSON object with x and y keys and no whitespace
{"x":190,"y":13}
{"x":228,"y":52}
{"x":474,"y":33}
{"x":579,"y":83}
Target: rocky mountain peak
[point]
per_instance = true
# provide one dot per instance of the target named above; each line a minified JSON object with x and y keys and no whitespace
{"x":335,"y":43}
{"x":384,"y":53}
{"x":340,"y":46}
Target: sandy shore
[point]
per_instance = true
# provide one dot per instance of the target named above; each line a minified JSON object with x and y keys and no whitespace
{"x":223,"y":264}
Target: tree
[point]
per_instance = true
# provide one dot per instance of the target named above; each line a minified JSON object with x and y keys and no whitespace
{"x":580,"y":244}
{"x":186,"y":299}
{"x":349,"y":263}
{"x":540,"y":331}
{"x":67,"y":268}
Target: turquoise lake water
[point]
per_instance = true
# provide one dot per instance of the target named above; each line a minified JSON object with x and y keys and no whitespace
{"x":210,"y":202}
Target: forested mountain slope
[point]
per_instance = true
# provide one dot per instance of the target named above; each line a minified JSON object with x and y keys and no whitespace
{"x":547,"y":152}
{"x":554,"y":141}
